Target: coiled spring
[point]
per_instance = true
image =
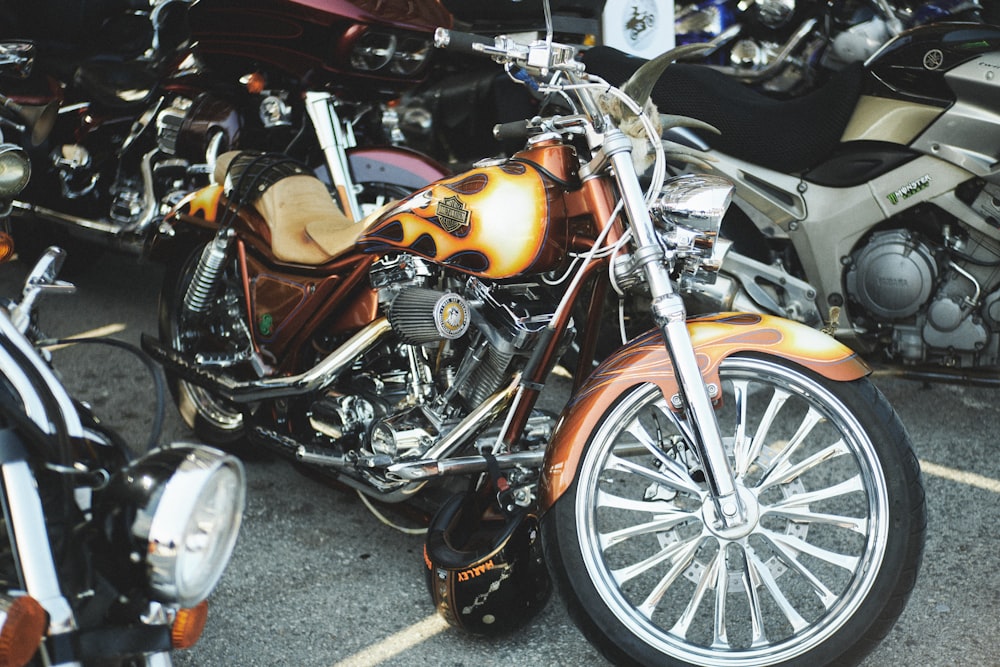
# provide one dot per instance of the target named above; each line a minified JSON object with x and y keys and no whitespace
{"x":205,"y":282}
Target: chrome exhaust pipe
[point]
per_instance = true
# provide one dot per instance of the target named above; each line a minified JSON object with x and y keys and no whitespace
{"x":462,"y":465}
{"x":268,"y":388}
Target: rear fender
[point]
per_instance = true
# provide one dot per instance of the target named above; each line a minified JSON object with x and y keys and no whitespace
{"x":399,"y":166}
{"x":645,"y":360}
{"x":196,"y":216}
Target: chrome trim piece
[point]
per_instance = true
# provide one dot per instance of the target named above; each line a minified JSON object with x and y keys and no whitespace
{"x":27,"y":529}
{"x":270,"y":388}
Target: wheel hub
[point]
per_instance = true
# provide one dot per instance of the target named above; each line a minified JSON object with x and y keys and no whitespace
{"x":715,"y":524}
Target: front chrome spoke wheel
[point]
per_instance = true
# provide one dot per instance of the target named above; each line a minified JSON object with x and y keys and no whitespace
{"x":808,"y":557}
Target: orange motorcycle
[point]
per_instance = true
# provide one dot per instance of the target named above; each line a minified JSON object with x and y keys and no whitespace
{"x":727,"y":490}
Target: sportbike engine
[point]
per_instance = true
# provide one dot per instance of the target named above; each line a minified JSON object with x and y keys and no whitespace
{"x":927,"y":301}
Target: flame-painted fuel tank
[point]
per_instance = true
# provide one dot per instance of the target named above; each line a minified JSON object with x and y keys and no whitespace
{"x":493,"y":222}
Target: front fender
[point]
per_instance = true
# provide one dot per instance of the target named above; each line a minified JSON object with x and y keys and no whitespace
{"x":645,"y":360}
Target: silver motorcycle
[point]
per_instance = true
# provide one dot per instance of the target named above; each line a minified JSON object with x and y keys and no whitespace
{"x":868,"y":208}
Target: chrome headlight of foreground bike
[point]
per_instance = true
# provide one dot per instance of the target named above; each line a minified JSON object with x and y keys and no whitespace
{"x":188,"y":505}
{"x":689,"y":211}
{"x":688,"y":215}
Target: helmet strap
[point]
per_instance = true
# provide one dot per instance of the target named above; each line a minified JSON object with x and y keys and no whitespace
{"x":505,"y":494}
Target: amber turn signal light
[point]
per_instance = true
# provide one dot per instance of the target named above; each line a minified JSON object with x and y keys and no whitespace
{"x":256,"y":82}
{"x":6,"y":247}
{"x":22,"y":627}
{"x":188,"y":625}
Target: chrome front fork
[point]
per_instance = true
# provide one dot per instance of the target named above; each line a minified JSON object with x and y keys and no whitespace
{"x":671,"y":318}
{"x":334,"y":140}
{"x":32,"y":554}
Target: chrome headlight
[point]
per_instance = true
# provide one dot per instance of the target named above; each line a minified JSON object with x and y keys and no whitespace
{"x":189,"y":516}
{"x":373,"y":51}
{"x":410,"y":56}
{"x":688,"y":215}
{"x":15,"y":169}
{"x":401,"y":54}
{"x":689,"y":211}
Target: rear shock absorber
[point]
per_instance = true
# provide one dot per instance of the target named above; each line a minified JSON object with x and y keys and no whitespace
{"x":205,"y":283}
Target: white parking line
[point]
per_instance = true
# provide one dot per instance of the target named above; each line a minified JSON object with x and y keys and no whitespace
{"x":955,"y":475}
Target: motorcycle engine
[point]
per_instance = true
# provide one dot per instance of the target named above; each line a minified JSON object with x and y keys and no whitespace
{"x":892,"y":276}
{"x":189,"y":129}
{"x":934,"y":311}
{"x":458,"y":341}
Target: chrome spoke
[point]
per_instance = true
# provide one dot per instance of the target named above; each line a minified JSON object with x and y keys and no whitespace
{"x":666,"y":518}
{"x":805,"y":516}
{"x":793,"y":547}
{"x":784,"y":472}
{"x":742,"y":454}
{"x":774,"y":406}
{"x":770,"y":584}
{"x":681,"y":551}
{"x":825,"y":595}
{"x":670,"y":478}
{"x":808,"y":423}
{"x":709,"y":579}
{"x":750,"y":587}
{"x":847,"y":487}
{"x":685,"y":554}
{"x":668,"y":465}
{"x":721,"y":637}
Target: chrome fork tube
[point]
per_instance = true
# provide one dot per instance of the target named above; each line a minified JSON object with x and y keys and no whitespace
{"x":334,"y":142}
{"x":670,"y":316}
{"x":30,"y":543}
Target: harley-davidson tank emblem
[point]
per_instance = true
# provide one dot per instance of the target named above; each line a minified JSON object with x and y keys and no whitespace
{"x":452,"y":214}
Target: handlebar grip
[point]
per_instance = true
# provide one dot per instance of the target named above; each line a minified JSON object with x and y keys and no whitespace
{"x":463,"y":42}
{"x":518,"y":130}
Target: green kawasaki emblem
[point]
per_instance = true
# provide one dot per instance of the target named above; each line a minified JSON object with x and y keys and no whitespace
{"x":910,"y":189}
{"x":266,"y":325}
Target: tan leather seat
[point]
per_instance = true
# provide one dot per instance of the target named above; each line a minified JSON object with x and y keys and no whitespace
{"x":307,"y":226}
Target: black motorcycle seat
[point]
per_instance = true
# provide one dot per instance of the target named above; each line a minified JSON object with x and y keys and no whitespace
{"x":789,"y":136}
{"x":117,"y":84}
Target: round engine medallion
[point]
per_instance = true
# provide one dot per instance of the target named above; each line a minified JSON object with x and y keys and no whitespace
{"x":451,"y":316}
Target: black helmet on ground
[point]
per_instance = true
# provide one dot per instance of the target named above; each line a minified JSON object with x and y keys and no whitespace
{"x":484,"y":565}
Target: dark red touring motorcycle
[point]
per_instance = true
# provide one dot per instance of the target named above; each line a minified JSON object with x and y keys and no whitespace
{"x":138,"y":129}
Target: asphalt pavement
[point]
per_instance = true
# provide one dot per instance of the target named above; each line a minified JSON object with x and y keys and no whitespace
{"x":317,"y":579}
